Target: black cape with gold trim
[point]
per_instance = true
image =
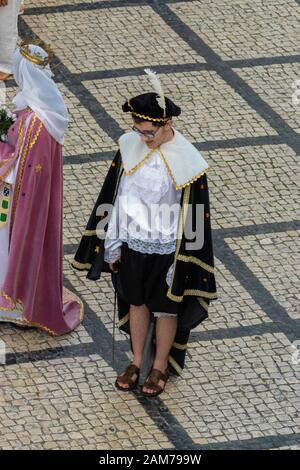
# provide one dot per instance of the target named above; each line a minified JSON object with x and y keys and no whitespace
{"x":193,"y":281}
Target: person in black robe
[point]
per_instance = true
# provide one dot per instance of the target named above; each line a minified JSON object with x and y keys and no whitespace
{"x":164,"y":292}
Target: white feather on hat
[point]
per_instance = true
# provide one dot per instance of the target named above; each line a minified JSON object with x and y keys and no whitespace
{"x":156,"y":83}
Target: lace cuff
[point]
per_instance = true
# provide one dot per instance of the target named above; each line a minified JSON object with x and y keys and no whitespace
{"x":150,"y":247}
{"x":111,"y":256}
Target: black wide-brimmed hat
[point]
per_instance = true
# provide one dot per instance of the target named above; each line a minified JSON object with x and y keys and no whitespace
{"x":152,"y":106}
{"x":146,"y":107}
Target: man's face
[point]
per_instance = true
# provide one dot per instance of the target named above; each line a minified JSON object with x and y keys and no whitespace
{"x":159,"y":133}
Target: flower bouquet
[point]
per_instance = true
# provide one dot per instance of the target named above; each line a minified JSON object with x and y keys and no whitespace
{"x":7,"y":118}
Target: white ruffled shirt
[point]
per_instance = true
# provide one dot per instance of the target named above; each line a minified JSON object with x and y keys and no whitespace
{"x":138,"y":217}
{"x":146,"y":186}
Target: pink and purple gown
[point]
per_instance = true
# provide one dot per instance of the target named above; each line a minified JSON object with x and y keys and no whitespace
{"x":31,"y":202}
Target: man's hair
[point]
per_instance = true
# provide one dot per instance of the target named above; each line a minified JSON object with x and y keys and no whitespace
{"x":140,"y":120}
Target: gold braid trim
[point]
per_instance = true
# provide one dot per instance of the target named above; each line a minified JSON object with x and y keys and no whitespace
{"x":10,"y":299}
{"x":29,"y":324}
{"x":180,"y":186}
{"x":42,"y":327}
{"x":3,"y":162}
{"x":148,"y":118}
{"x":195,"y":293}
{"x":192,"y":259}
{"x":175,"y":364}
{"x":192,"y":180}
{"x":124,"y":320}
{"x":168,"y":168}
{"x":179,"y":346}
{"x":203,"y":303}
{"x":126,"y":173}
{"x":35,"y":138}
{"x":21,"y":169}
{"x":89,"y":233}
{"x":81,"y":266}
{"x":182,"y":219}
{"x":158,"y":150}
{"x":142,"y":116}
{"x":39,"y":325}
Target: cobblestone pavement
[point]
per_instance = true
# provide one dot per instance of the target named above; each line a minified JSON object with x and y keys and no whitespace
{"x":231,"y":65}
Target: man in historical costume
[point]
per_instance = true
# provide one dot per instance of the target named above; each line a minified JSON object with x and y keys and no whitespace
{"x":9,"y":10}
{"x":165,"y":278}
{"x":31,"y":184}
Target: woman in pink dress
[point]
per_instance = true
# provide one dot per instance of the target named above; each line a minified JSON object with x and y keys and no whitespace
{"x":31,"y":198}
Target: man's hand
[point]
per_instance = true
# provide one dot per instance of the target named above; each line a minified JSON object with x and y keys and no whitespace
{"x":114,"y":266}
{"x":3,"y":3}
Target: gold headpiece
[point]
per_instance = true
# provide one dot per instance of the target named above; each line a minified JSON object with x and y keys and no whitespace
{"x":36,"y":58}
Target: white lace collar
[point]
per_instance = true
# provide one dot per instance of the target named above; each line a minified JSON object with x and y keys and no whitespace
{"x":183,"y":161}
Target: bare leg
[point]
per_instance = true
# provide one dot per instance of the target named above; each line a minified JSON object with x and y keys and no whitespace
{"x":166,"y":327}
{"x":139,"y":317}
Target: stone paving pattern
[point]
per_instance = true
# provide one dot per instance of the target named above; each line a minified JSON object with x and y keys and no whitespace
{"x":230,"y":64}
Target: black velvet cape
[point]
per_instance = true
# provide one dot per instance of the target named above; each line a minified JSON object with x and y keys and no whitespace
{"x":193,"y":283}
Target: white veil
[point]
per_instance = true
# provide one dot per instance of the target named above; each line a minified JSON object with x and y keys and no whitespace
{"x":40,"y":93}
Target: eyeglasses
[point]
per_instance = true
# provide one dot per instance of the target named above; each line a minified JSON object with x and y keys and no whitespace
{"x":148,"y":134}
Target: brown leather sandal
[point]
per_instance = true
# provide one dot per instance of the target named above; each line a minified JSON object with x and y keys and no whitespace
{"x":152,"y":382}
{"x":126,"y":378}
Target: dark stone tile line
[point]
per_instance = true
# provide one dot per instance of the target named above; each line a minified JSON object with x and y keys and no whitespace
{"x":259,"y":229}
{"x":87,"y":349}
{"x":231,"y":332}
{"x":66,"y":8}
{"x":156,"y":409}
{"x":230,"y":77}
{"x":202,"y":146}
{"x":238,"y":142}
{"x":256,"y":443}
{"x":112,"y":128}
{"x":81,"y":7}
{"x":262,"y":297}
{"x":174,"y":68}
{"x":282,"y":322}
{"x":262,"y":61}
{"x":85,"y":97}
{"x":82,"y":159}
{"x":73,"y":350}
{"x":103,"y":119}
{"x":138,"y":71}
{"x":167,"y":423}
{"x":164,"y":68}
{"x":97,"y":111}
{"x":234,"y":232}
{"x":100,"y":335}
{"x":83,"y":90}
